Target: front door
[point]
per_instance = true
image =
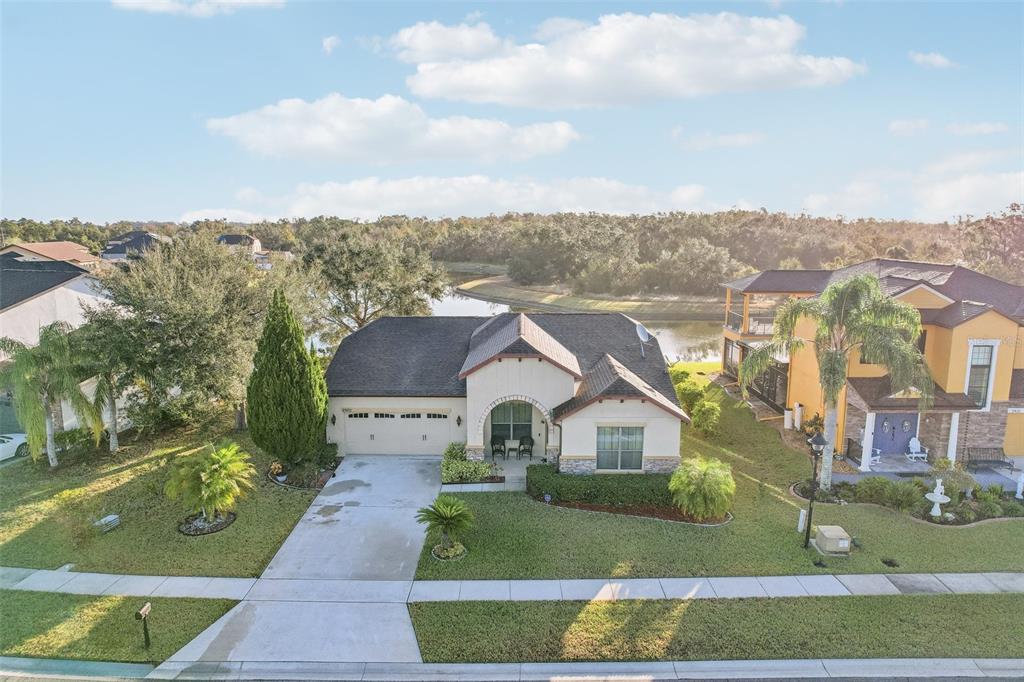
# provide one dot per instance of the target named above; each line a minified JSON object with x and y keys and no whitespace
{"x":893,"y":431}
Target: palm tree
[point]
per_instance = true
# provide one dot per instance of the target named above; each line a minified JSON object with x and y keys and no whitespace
{"x":106,"y":344}
{"x":210,"y":483}
{"x":851,"y":314}
{"x":449,"y":515}
{"x":40,"y":377}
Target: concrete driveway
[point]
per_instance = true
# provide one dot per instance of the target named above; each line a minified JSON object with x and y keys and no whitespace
{"x":361,"y":527}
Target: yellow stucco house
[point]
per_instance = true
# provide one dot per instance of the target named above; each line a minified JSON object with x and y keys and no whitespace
{"x":973,"y":342}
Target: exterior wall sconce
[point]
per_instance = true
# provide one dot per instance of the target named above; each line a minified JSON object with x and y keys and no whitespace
{"x":458,"y":420}
{"x":334,"y":419}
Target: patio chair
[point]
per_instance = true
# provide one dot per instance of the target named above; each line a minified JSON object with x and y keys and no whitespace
{"x":876,"y":457}
{"x":916,"y":452}
{"x":498,"y":447}
{"x":525,"y":447}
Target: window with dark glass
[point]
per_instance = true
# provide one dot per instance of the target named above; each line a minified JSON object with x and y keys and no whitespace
{"x":383,"y":415}
{"x":620,"y":447}
{"x":921,"y":340}
{"x":512,"y":420}
{"x":980,"y":374}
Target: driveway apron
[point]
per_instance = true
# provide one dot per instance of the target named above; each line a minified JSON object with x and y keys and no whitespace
{"x":361,"y":526}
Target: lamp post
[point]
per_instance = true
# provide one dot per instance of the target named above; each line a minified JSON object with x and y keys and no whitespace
{"x":818,"y":444}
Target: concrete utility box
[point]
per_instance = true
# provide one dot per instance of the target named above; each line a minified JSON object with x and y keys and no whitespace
{"x":832,"y":540}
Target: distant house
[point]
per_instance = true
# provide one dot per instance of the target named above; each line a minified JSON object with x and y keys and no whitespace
{"x":132,"y":244}
{"x":264,"y":259}
{"x":69,"y":252}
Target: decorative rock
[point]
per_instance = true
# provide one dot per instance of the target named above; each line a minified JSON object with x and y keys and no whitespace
{"x":107,"y":523}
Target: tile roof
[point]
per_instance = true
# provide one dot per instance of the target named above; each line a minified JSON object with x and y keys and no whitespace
{"x":877,"y":393}
{"x":512,"y":335}
{"x":609,"y":378}
{"x":783,"y":282}
{"x":63,"y":250}
{"x":423,"y":356}
{"x":21,"y":280}
{"x":954,"y":314}
{"x":135,"y":241}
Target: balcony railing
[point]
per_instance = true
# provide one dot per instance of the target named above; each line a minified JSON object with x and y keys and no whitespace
{"x":734,"y":321}
{"x":761,"y":325}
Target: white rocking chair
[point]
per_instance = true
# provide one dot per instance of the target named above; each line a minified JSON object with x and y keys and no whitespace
{"x":916,"y":452}
{"x":875,"y":458}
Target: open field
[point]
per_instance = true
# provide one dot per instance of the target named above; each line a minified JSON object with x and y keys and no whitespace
{"x":45,"y":515}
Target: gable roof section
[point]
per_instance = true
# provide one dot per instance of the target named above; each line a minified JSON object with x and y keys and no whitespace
{"x":782,"y":282}
{"x":516,"y":335}
{"x":21,"y":280}
{"x":236,"y":239}
{"x":135,"y":241}
{"x":61,"y":250}
{"x":403,"y":356}
{"x":877,"y":393}
{"x":954,"y":314}
{"x":609,"y":378}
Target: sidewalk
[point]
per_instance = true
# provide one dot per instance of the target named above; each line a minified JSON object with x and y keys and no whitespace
{"x":403,"y":591}
{"x":56,"y":668}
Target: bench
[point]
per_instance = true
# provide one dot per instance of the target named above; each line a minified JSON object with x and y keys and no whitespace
{"x":986,"y":457}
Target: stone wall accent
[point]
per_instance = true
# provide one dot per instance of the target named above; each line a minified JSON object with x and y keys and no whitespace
{"x":475,"y":453}
{"x":551,"y":452}
{"x":660,"y":465}
{"x":984,"y":429}
{"x":572,"y":465}
{"x":933,"y":432}
{"x":854,"y":429}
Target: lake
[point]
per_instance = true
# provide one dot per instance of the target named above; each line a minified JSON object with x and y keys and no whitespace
{"x":684,"y":340}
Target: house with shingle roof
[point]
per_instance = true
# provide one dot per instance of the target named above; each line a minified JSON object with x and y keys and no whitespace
{"x":582,"y":389}
{"x":70,"y":252}
{"x":973,"y":343}
{"x":132,"y":245}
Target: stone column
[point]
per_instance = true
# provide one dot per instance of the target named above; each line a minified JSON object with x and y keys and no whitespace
{"x":867,"y":443}
{"x":954,"y":434}
{"x":475,"y":453}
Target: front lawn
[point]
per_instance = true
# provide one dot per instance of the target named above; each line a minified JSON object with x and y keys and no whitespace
{"x":45,"y":515}
{"x":517,"y":537}
{"x":49,"y":625}
{"x":983,"y":626}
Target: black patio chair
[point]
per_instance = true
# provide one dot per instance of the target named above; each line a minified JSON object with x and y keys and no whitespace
{"x":498,"y":446}
{"x":525,"y":447}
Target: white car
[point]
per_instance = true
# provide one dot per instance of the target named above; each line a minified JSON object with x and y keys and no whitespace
{"x":12,"y":445}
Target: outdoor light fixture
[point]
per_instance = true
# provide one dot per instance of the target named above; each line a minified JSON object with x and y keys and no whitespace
{"x":458,"y":420}
{"x":334,"y":419}
{"x":818,"y":444}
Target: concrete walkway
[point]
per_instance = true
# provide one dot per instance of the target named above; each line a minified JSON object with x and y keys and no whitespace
{"x":359,"y":531}
{"x":72,"y":582}
{"x":860,"y":669}
{"x":55,"y":668}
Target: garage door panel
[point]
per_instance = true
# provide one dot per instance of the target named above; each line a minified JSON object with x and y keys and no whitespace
{"x":396,"y":432}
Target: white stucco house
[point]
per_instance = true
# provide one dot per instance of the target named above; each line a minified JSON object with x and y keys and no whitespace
{"x":581,"y":385}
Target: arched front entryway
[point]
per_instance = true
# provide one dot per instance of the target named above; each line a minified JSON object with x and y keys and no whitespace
{"x":514,"y":418}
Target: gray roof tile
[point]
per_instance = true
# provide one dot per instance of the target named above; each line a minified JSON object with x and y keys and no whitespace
{"x":21,"y":280}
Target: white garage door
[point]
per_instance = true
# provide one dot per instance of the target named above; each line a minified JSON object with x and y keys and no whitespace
{"x":405,"y":432}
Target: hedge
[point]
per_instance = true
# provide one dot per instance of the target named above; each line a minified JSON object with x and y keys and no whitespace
{"x":612,"y":489}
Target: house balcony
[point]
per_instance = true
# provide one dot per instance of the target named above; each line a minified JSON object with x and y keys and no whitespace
{"x":757,"y":324}
{"x":734,"y":321}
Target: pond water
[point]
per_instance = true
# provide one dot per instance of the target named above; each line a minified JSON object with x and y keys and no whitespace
{"x":683,"y":340}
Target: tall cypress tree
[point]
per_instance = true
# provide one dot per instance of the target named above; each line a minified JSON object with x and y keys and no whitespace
{"x":287,"y":393}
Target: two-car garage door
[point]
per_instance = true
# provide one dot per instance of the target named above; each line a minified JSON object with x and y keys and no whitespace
{"x":389,"y":432}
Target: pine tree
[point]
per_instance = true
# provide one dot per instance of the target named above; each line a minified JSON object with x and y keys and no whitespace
{"x":287,"y":393}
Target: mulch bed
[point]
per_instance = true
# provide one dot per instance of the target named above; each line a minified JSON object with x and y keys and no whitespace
{"x":194,"y":525}
{"x":646,"y":510}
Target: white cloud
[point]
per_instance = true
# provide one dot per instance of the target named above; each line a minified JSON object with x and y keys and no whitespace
{"x":330,"y":43}
{"x":964,"y":162}
{"x":622,"y":59}
{"x":980,"y":128}
{"x":431,"y":41}
{"x":471,"y":195}
{"x":932,"y":60}
{"x":555,"y":27}
{"x":910,"y":126}
{"x":388,"y":129}
{"x":857,"y":198}
{"x":193,"y":8}
{"x":704,"y":141}
{"x":970,"y":194}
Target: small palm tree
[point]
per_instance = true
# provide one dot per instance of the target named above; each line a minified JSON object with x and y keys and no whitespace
{"x":449,"y":515}
{"x":210,"y":483}
{"x":703,"y":488}
{"x":853,"y":314}
{"x":40,"y":377}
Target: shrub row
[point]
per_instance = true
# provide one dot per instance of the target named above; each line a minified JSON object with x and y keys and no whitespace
{"x":456,"y":468}
{"x":618,"y":490}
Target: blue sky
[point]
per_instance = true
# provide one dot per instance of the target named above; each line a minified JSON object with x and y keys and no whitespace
{"x":173,"y":109}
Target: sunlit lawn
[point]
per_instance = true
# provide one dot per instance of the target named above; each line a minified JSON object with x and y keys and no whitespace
{"x":48,"y":625}
{"x":986,"y":625}
{"x":45,"y":515}
{"x":517,"y":537}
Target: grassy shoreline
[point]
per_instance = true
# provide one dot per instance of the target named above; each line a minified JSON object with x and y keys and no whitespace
{"x":501,"y":289}
{"x":972,"y":626}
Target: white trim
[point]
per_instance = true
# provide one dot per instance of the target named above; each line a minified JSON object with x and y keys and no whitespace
{"x":867,"y":443}
{"x":922,"y":285}
{"x":954,"y":435}
{"x":971,"y":343}
{"x":1015,"y":410}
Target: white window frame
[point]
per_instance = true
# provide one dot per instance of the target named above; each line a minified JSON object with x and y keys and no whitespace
{"x":971,"y":343}
{"x":642,"y":425}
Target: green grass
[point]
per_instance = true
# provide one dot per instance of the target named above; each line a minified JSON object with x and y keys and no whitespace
{"x":501,"y":289}
{"x":45,"y":515}
{"x":810,"y":627}
{"x":517,"y":537}
{"x":49,"y":625}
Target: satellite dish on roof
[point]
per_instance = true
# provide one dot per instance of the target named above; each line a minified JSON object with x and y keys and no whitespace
{"x":642,"y":332}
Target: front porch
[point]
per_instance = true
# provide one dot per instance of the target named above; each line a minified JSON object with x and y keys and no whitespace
{"x":892,"y":463}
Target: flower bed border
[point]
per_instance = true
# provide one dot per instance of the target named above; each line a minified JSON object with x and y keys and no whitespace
{"x":231,"y":516}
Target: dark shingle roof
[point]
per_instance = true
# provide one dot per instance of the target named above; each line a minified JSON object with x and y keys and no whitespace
{"x":516,"y":335}
{"x":235,"y":240}
{"x":877,"y":393}
{"x":610,"y":378}
{"x":954,"y":314}
{"x":21,"y":280}
{"x":782,"y":281}
{"x":135,"y":241}
{"x":423,"y":356}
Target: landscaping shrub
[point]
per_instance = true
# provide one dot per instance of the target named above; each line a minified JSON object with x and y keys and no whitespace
{"x":618,"y":490}
{"x":903,"y":496}
{"x":210,"y":483}
{"x":703,"y":488}
{"x":990,"y":509}
{"x":689,"y":394}
{"x":455,"y":451}
{"x":678,"y":373}
{"x":74,"y":443}
{"x":449,"y":516}
{"x":1013,"y":509}
{"x":873,"y":489}
{"x":456,"y":468}
{"x":966,"y":514}
{"x":955,"y":479}
{"x":705,"y":417}
{"x":815,"y":424}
